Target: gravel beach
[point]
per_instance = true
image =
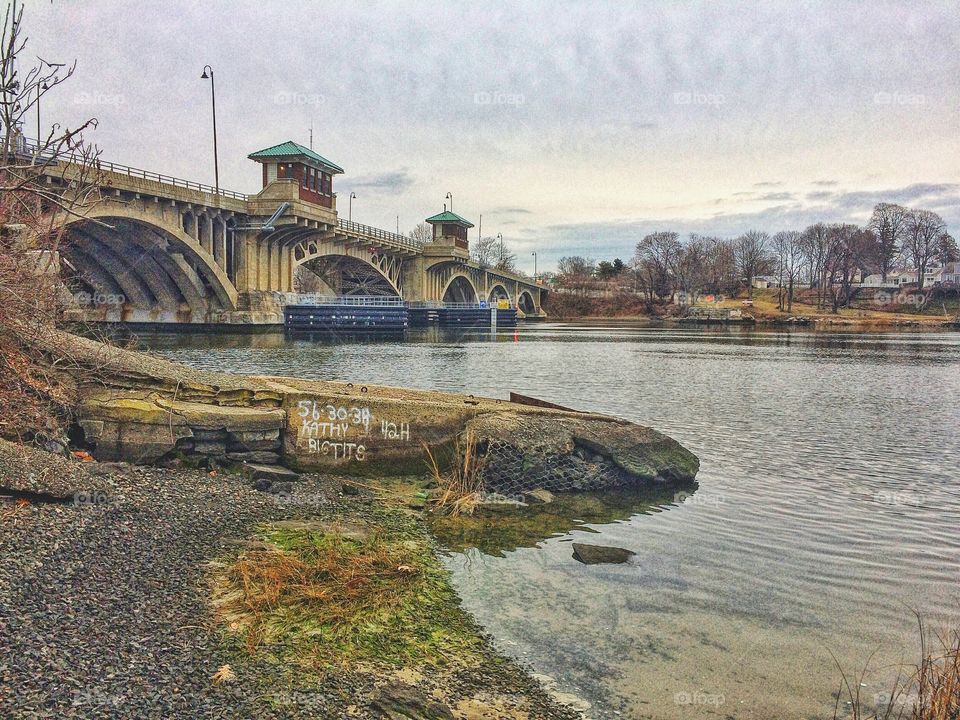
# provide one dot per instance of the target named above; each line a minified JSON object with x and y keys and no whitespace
{"x":104,"y":603}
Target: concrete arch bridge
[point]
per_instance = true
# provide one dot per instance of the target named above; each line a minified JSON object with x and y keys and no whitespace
{"x":158,"y":249}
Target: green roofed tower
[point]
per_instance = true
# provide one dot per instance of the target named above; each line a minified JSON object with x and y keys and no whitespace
{"x":449,"y":229}
{"x":292,"y":162}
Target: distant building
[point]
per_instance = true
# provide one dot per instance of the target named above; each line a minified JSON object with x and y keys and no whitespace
{"x":951,"y":274}
{"x":901,"y":278}
{"x":932,"y":276}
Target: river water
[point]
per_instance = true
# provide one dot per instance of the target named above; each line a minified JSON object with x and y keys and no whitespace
{"x":827,"y":510}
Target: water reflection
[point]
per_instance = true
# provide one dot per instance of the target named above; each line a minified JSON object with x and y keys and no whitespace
{"x":496,"y":530}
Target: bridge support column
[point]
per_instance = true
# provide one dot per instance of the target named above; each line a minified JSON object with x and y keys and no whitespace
{"x":220,"y":244}
{"x":263,"y":264}
{"x":205,"y":232}
{"x":245,"y":257}
{"x":414,"y":279}
{"x":286,"y":269}
{"x":276,"y":253}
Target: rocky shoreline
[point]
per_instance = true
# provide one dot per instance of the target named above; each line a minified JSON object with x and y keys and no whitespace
{"x":104,"y":604}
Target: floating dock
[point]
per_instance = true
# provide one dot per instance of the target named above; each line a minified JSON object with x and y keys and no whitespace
{"x":345,"y":314}
{"x":375,"y":314}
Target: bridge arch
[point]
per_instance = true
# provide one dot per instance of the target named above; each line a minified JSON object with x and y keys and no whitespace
{"x":347,"y":275}
{"x":460,"y":289}
{"x":346,"y":270}
{"x":128,"y":267}
{"x":498,"y":292}
{"x":525,"y":303}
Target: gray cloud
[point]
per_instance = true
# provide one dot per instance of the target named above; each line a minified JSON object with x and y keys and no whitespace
{"x":510,"y":211}
{"x":396,"y":181}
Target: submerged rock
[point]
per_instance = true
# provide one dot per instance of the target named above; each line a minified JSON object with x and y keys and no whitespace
{"x":600,"y":554}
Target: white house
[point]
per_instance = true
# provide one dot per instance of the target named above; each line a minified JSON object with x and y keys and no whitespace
{"x":932,"y":276}
{"x":951,"y":273}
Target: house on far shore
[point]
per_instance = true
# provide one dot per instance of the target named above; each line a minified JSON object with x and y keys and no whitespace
{"x":951,"y":274}
{"x":932,"y":276}
{"x":901,"y":278}
{"x":762,"y":282}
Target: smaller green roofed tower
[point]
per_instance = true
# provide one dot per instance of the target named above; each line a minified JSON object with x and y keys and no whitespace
{"x":450,"y":229}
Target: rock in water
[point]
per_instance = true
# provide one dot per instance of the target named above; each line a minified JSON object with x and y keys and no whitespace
{"x":600,"y":554}
{"x":399,"y":701}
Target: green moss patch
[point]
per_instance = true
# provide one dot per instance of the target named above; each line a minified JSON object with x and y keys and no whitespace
{"x":320,"y":597}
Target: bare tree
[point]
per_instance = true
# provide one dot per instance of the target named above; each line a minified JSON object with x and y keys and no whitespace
{"x":422,"y":233}
{"x":575,"y":272}
{"x":814,"y":243}
{"x":505,"y":259}
{"x":689,"y":267}
{"x":789,"y":254}
{"x":923,"y":235}
{"x":947,"y":250}
{"x":752,"y":255}
{"x":889,"y":225}
{"x":43,"y":186}
{"x":721,"y":266}
{"x":485,"y":252}
{"x":846,"y":244}
{"x":655,"y":256}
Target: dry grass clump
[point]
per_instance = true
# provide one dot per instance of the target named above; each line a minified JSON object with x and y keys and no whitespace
{"x":461,"y":488}
{"x":930,"y":692}
{"x":329,"y":599}
{"x":938,"y":681}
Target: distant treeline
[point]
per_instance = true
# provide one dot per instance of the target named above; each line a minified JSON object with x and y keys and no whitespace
{"x":825,"y":257}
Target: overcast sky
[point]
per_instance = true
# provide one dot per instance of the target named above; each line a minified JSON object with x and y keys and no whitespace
{"x":572,"y":128}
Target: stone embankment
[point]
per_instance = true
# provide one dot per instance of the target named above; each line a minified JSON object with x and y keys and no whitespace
{"x":139,"y":408}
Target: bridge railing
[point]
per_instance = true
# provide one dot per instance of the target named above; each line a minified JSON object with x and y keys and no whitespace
{"x":377,"y":301}
{"x":345,"y":300}
{"x":32,"y":147}
{"x":374,"y":233}
{"x":436,"y":304}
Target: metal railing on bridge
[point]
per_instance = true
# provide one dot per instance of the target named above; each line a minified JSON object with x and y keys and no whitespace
{"x":28,"y":146}
{"x":374,"y":233}
{"x":432,"y":304}
{"x":31,"y":147}
{"x":344,"y":300}
{"x":380,"y":301}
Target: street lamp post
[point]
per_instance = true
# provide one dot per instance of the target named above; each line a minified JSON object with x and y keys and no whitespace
{"x":350,"y":207}
{"x":213,"y":100}
{"x":534,"y":265}
{"x":40,"y":91}
{"x":450,"y":197}
{"x":500,"y":238}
